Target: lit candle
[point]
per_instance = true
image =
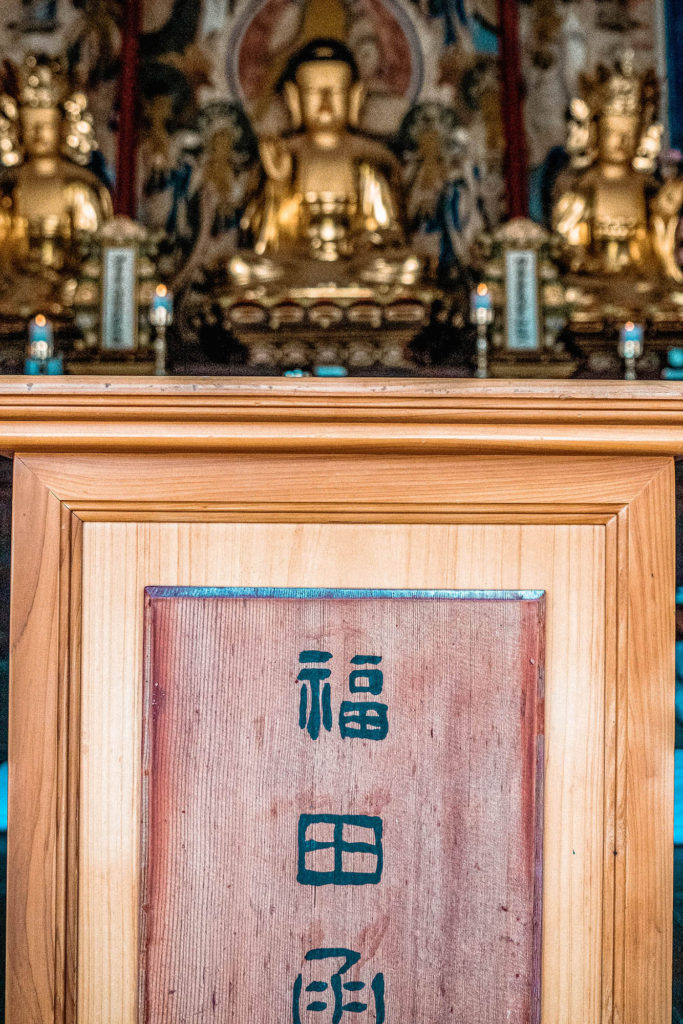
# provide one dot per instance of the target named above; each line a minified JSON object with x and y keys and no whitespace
{"x":40,"y":338}
{"x":630,"y":347}
{"x":631,"y":340}
{"x":481,"y":314}
{"x":162,"y":306}
{"x":160,"y":316}
{"x":481,"y":304}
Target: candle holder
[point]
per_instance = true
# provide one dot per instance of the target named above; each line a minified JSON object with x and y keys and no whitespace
{"x":40,"y":350}
{"x":161,"y":317}
{"x":630,"y":347}
{"x":481,"y":315}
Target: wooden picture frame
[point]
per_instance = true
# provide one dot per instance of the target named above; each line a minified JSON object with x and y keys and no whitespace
{"x":394,"y":483}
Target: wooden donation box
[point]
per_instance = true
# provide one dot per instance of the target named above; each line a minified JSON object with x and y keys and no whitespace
{"x":341,"y":703}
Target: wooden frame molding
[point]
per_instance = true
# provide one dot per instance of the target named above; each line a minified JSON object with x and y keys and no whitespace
{"x":267,"y":452}
{"x":384,"y":415}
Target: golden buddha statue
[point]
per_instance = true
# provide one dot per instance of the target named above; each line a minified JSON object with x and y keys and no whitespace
{"x":49,"y":201}
{"x":330,"y":194}
{"x":322,"y":247}
{"x":601,"y":213}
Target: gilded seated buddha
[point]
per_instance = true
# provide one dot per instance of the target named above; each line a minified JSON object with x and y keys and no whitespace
{"x":322,"y":249}
{"x":601,"y":210}
{"x":49,"y":201}
{"x":329,"y":207}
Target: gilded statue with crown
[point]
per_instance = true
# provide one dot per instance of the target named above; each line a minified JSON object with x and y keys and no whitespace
{"x":616,"y":223}
{"x":49,"y":200}
{"x":602,"y":211}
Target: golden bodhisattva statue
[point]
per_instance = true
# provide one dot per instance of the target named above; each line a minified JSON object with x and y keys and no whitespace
{"x":322,"y":244}
{"x":49,"y":201}
{"x":617,"y":225}
{"x":601,"y":212}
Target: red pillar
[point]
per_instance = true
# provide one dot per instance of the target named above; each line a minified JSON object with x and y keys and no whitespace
{"x":516,"y":166}
{"x":126,"y":163}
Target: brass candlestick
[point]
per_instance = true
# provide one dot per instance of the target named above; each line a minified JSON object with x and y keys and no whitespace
{"x":481,"y":315}
{"x":161,"y":317}
{"x":630,"y":348}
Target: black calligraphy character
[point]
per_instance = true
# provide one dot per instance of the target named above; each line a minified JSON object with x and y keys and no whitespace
{"x":317,"y":711}
{"x":337,"y":987}
{"x":363,"y":719}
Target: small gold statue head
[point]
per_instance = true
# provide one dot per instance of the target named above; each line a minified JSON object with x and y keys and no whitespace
{"x":620,"y":112}
{"x":615,"y":122}
{"x":43,"y":117}
{"x":618,"y":138}
{"x":42,"y":89}
{"x":321,"y":87}
{"x":41,"y":130}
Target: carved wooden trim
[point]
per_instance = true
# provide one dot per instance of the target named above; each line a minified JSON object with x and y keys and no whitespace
{"x":319,"y":483}
{"x":52,"y":495}
{"x":37,"y":839}
{"x":388,"y":415}
{"x":340,"y":514}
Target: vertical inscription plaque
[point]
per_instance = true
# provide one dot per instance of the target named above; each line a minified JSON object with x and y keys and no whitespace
{"x":119,"y":299}
{"x":522,"y":307}
{"x":342,"y":806}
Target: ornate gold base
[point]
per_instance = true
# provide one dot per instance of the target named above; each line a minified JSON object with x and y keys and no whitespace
{"x":351,"y":349}
{"x":25,"y":293}
{"x":538,"y":369}
{"x":110,"y":367}
{"x":601,"y":308}
{"x":603,"y":305}
{"x":332,"y":324}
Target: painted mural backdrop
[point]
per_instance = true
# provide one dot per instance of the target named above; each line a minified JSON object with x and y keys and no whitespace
{"x":209,"y":71}
{"x":209,"y":81}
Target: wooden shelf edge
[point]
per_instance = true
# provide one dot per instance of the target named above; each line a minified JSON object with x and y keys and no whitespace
{"x":175,"y":414}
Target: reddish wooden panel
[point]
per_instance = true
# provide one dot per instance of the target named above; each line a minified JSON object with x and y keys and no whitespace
{"x":264,"y":766}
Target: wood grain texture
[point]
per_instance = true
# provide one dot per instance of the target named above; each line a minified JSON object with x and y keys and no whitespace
{"x":355,"y":415}
{"x":648,"y":820}
{"x":34,"y":753}
{"x":250,"y":485}
{"x":566,"y":561}
{"x":69,"y":776}
{"x":452,"y":923}
{"x":44,"y":742}
{"x":596,"y":534}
